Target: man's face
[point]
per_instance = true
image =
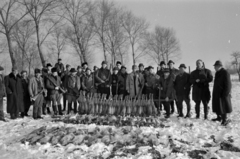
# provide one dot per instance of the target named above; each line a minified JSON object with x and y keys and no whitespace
{"x":24,"y":75}
{"x":115,"y":72}
{"x":163,"y":66}
{"x":68,"y":68}
{"x":123,"y":70}
{"x":104,"y":65}
{"x":217,"y":68}
{"x":182,"y":70}
{"x":85,"y":66}
{"x":55,"y":74}
{"x":141,"y":68}
{"x":134,"y":69}
{"x":89,"y":72}
{"x":151,"y":71}
{"x":49,"y":68}
{"x":171,"y":65}
{"x":60,"y":61}
{"x":15,"y":72}
{"x":199,"y":64}
{"x":38,"y":75}
{"x":166,"y":74}
{"x":80,"y":70}
{"x":119,"y":65}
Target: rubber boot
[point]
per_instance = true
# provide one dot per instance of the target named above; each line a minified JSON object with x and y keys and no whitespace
{"x":60,"y":109}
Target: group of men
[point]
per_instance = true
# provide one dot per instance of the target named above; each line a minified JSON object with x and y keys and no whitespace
{"x":170,"y":87}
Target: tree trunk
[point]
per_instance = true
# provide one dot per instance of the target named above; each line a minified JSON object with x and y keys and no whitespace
{"x":13,"y":60}
{"x":133,"y":55}
{"x":39,"y":46}
{"x":104,"y":52}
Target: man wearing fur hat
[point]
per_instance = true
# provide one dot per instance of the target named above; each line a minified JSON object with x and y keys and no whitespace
{"x":37,"y":91}
{"x":53,"y":85}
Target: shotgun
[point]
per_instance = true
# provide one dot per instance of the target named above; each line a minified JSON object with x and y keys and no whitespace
{"x":55,"y":85}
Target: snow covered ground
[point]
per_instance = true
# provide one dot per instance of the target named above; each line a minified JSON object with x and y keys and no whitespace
{"x":188,"y":134}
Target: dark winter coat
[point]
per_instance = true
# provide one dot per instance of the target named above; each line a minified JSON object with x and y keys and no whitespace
{"x":26,"y":95}
{"x":105,"y":75}
{"x":182,"y":85}
{"x":122,"y":79}
{"x":201,"y":89}
{"x":88,"y":83}
{"x":14,"y":91}
{"x":59,"y":67}
{"x":50,"y":86}
{"x":160,"y":73}
{"x":221,"y":97}
{"x":167,"y":87}
{"x":174,"y":72}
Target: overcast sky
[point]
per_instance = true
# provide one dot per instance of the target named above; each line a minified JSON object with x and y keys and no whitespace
{"x":207,"y":30}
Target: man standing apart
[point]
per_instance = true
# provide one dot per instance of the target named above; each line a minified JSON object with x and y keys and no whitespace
{"x":182,"y":87}
{"x":200,"y":78}
{"x":13,"y":84}
{"x":36,"y":90}
{"x":2,"y":94}
{"x":60,"y":67}
{"x":221,"y":102}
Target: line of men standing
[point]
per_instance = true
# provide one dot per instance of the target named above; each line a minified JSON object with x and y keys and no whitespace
{"x":170,"y":85}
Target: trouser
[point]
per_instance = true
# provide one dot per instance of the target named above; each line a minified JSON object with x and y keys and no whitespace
{"x":166,"y":107}
{"x":70,"y":107}
{"x":37,"y":106}
{"x":197,"y":108}
{"x":172,"y":106}
{"x":27,"y":104}
{"x":1,"y":109}
{"x":180,"y":104}
{"x":104,"y":90}
{"x":64,"y":101}
{"x":56,"y":103}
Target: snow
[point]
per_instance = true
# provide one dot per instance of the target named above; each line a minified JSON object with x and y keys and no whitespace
{"x":187,"y":134}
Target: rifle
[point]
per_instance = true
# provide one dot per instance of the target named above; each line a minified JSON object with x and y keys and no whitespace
{"x":35,"y":97}
{"x":55,"y":85}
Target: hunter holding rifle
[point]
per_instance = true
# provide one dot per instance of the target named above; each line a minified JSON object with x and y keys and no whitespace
{"x":103,"y":79}
{"x":36,"y":90}
{"x":88,"y":82}
{"x":72,"y":90}
{"x":53,"y":86}
{"x":200,"y":78}
{"x":167,"y":91}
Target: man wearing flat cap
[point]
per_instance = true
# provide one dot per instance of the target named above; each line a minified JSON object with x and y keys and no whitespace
{"x":103,"y":79}
{"x":2,"y":94}
{"x":60,"y":67}
{"x":14,"y":90}
{"x":200,"y":79}
{"x":37,"y":92}
{"x":182,"y":87}
{"x":221,"y":97}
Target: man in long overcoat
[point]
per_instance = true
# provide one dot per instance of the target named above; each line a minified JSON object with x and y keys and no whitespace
{"x":221,"y":97}
{"x":200,"y":79}
{"x":135,"y":83}
{"x":13,"y":84}
{"x":26,"y":95}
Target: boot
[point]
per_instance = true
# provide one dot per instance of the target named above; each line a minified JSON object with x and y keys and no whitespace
{"x":60,"y":109}
{"x":225,"y":120}
{"x":55,"y":109}
{"x":197,"y":108}
{"x":172,"y":107}
{"x":44,"y":109}
{"x":69,"y":108}
{"x":219,"y":118}
{"x":48,"y":110}
{"x":206,"y":112}
{"x":75,"y":108}
{"x":180,"y":110}
{"x":188,"y":115}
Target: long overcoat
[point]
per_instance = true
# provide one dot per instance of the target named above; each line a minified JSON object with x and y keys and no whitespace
{"x":137,"y":85}
{"x":221,"y":97}
{"x":14,"y":92}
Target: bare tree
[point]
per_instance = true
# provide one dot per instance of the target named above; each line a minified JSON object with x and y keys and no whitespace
{"x":99,"y":19}
{"x":236,"y":62}
{"x":58,"y":42}
{"x":161,"y":44}
{"x":79,"y":30}
{"x":42,"y":12}
{"x":135,"y":29}
{"x":10,"y":14}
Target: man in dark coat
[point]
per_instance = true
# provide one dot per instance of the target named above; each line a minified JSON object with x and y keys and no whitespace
{"x":26,"y":95}
{"x":167,"y":91}
{"x":173,"y":72}
{"x":13,"y":84}
{"x":103,"y":78}
{"x":60,"y":67}
{"x":182,"y":87}
{"x":115,"y":81}
{"x":2,"y":94}
{"x":46,"y":72}
{"x":84,"y":68}
{"x":221,"y":98}
{"x":64,"y":80}
{"x":122,"y":79}
{"x":88,"y":82}
{"x":53,"y":85}
{"x":200,"y":79}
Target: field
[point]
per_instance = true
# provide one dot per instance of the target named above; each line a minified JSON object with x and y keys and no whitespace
{"x":175,"y":139}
